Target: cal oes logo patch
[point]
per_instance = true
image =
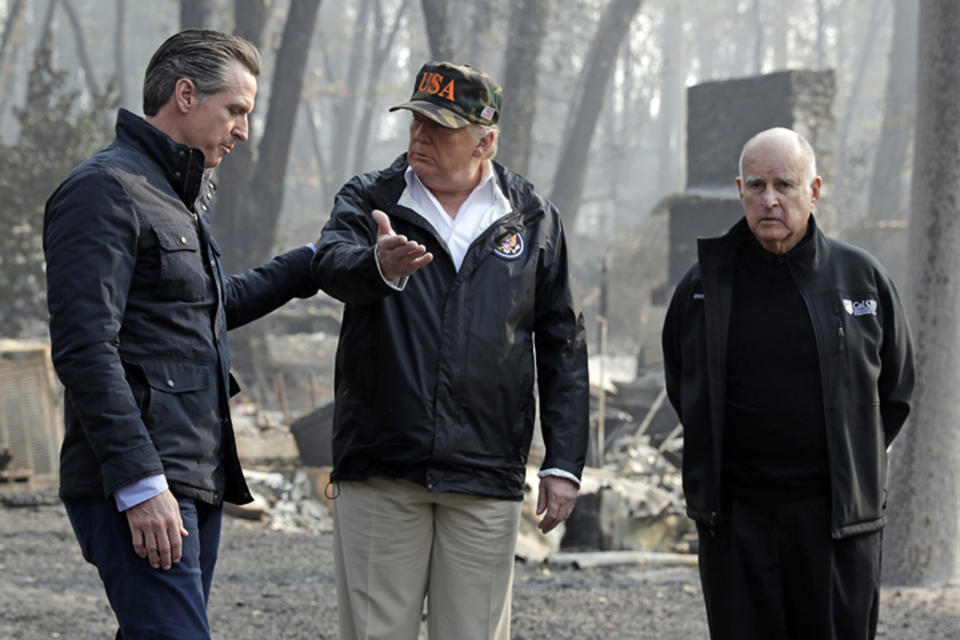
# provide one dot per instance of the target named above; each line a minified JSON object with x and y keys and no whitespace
{"x":866,"y":307}
{"x":511,"y":247}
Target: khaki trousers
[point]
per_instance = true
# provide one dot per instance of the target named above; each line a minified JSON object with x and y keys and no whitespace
{"x":395,"y":543}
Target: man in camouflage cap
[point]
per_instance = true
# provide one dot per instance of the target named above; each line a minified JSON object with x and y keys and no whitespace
{"x":455,"y":96}
{"x":452,"y":269}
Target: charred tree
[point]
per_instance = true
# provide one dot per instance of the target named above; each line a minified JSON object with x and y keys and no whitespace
{"x":437,"y":18}
{"x":594,"y":77}
{"x":705,"y":45}
{"x":671,"y":120}
{"x":286,"y":87}
{"x":887,"y":182}
{"x":866,"y":57}
{"x":233,"y":175}
{"x":345,"y":109}
{"x":195,"y":14}
{"x":249,"y":203}
{"x":479,"y":49}
{"x":528,"y":22}
{"x":380,"y":52}
{"x":81,"y":41}
{"x":923,"y":536}
{"x":119,"y":50}
{"x":13,"y":17}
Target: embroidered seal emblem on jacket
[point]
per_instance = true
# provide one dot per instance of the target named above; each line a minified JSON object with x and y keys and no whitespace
{"x":511,"y":247}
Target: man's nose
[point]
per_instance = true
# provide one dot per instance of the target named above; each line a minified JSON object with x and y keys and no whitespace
{"x":420,"y":131}
{"x":242,"y":130}
{"x":769,"y":197}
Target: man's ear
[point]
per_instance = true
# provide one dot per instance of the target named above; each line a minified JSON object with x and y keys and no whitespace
{"x":185,"y":95}
{"x":483,"y":146}
{"x":815,"y":189}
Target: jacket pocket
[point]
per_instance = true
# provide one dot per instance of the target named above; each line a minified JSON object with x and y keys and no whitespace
{"x":176,"y":376}
{"x":182,"y":276}
{"x":182,"y":417}
{"x":860,"y":338}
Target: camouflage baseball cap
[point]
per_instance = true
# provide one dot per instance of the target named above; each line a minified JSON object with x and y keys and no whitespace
{"x":454,"y":95}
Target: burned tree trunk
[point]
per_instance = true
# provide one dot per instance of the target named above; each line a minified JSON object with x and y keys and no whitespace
{"x":119,"y":51}
{"x":346,"y":106}
{"x":571,"y":171}
{"x":251,"y":196}
{"x":380,"y":51}
{"x":886,"y":185}
{"x":437,"y":18}
{"x":286,"y":86}
{"x":846,"y":123}
{"x":673,"y":91}
{"x":528,"y":22}
{"x":81,"y":41}
{"x":923,"y":537}
{"x":233,"y":175}
{"x":13,"y":17}
{"x":195,"y":14}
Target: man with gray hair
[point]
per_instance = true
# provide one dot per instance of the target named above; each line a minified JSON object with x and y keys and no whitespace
{"x":139,"y":313}
{"x":452,"y":269}
{"x":789,"y":361}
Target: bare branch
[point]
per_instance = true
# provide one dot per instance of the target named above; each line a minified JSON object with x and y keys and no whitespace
{"x":81,"y":42}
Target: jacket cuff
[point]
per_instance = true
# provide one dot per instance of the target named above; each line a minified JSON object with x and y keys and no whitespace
{"x":560,"y":473}
{"x":561,"y":467}
{"x":397,"y":284}
{"x":124,"y":468}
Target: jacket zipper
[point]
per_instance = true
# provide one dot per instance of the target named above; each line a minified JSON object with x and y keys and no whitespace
{"x":818,"y":338}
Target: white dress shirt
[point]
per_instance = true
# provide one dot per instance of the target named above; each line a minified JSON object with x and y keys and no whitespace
{"x":485,"y":205}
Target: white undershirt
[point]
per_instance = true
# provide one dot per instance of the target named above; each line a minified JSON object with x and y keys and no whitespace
{"x":485,"y":205}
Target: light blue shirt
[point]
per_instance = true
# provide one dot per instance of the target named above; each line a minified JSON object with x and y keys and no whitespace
{"x":140,"y":491}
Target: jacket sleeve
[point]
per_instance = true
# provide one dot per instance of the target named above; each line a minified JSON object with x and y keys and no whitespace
{"x":895,"y":384}
{"x":561,"y":353}
{"x":90,"y":237}
{"x":670,"y":341}
{"x":255,"y":293}
{"x":345,"y":265}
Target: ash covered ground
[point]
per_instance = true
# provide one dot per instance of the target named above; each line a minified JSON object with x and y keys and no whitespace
{"x":279,"y":584}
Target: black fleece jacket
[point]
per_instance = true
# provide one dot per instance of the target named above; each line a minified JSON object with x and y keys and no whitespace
{"x":866,"y":368}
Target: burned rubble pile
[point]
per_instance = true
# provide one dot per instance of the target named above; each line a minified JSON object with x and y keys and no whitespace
{"x":633,"y":502}
{"x":630,"y":499}
{"x":286,"y":501}
{"x":288,"y":495}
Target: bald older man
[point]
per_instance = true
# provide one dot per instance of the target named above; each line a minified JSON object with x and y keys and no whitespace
{"x":789,"y":361}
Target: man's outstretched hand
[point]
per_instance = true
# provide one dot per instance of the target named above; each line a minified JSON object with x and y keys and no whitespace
{"x":398,"y":256}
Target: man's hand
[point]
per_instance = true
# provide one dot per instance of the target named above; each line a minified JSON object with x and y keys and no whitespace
{"x":398,"y":256}
{"x":557,"y":497}
{"x":156,"y":528}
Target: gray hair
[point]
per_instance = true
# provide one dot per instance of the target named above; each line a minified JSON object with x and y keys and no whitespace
{"x":477,"y":133}
{"x":806,"y":149}
{"x":200,"y":55}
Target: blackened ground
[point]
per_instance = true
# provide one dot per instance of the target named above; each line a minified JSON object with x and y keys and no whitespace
{"x":272,"y":584}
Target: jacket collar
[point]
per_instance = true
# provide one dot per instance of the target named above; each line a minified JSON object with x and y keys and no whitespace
{"x":807,"y":255}
{"x":180,"y":164}
{"x":390,"y":183}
